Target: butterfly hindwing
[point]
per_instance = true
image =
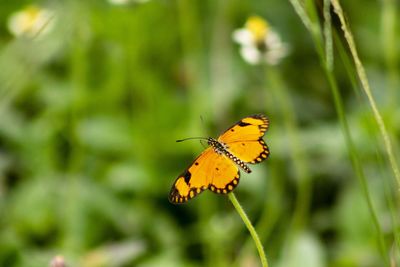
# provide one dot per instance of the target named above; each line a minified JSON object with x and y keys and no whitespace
{"x":210,"y":170}
{"x":244,"y":139}
{"x":225,"y":175}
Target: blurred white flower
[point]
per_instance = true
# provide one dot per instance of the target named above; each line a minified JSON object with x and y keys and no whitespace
{"x":57,"y":261}
{"x":119,"y":2}
{"x":125,"y":2}
{"x":30,"y":22}
{"x":259,"y":42}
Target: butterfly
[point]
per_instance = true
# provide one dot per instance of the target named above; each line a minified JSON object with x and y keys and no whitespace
{"x":217,"y":168}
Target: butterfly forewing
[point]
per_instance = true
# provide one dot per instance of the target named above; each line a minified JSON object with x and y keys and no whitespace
{"x":210,"y":170}
{"x":251,"y":128}
{"x":244,"y":139}
{"x":194,"y":180}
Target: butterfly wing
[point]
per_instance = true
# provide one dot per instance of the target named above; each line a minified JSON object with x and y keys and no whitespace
{"x":224,"y":175}
{"x":244,"y":139}
{"x":210,"y":170}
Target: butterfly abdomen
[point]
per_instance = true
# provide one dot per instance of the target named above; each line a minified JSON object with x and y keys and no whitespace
{"x":221,"y":148}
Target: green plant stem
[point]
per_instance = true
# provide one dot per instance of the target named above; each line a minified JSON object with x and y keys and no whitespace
{"x":249,"y":226}
{"x":302,"y":14}
{"x":328,"y":35}
{"x":389,"y":40}
{"x":356,"y":162}
{"x":365,"y":85}
{"x":346,"y":131}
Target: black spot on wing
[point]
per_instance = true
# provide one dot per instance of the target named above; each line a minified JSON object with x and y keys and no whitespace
{"x":174,"y":195}
{"x":263,"y":127}
{"x":187,"y":175}
{"x":242,"y":124}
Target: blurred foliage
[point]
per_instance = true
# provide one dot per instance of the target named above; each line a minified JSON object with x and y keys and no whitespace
{"x":91,"y":109}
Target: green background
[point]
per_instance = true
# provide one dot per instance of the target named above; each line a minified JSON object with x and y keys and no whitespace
{"x":89,"y":115}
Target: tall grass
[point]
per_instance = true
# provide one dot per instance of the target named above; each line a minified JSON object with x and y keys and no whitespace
{"x":366,"y":87}
{"x":327,"y":63}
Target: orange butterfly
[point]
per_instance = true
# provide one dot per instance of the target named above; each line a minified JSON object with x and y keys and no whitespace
{"x":217,"y":167}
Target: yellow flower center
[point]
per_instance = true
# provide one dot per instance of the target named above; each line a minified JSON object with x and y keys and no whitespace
{"x":32,"y":15}
{"x":258,"y":27}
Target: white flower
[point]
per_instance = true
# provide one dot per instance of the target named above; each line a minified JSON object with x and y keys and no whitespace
{"x":259,"y":43}
{"x":30,"y":22}
{"x":119,"y":2}
{"x":125,"y":2}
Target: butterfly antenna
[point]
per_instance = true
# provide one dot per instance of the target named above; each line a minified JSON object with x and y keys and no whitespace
{"x":190,"y":138}
{"x":202,"y":121}
{"x":202,"y":143}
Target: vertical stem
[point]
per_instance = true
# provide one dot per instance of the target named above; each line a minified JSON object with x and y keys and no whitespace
{"x":356,"y":161}
{"x":249,"y":226}
{"x":345,"y":127}
{"x":328,"y":35}
{"x":365,"y":85}
{"x":389,"y":38}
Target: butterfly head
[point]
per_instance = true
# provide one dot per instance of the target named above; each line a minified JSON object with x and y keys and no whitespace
{"x":211,"y":141}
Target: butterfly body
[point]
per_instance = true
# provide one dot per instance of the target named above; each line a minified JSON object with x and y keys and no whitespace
{"x":222,"y":148}
{"x":217,"y":168}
